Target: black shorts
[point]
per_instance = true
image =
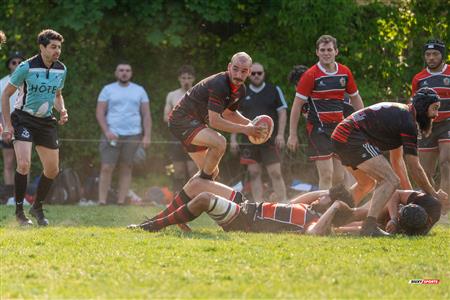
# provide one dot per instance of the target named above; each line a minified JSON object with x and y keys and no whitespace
{"x":40,"y":131}
{"x":177,"y":152}
{"x":440,"y":133}
{"x":320,"y":146}
{"x":244,"y":219}
{"x":185,"y":128}
{"x":356,"y":150}
{"x":265,"y":154}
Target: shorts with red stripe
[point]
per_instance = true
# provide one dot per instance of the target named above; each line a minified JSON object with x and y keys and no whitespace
{"x":185,"y":128}
{"x":355,"y":150}
{"x":320,"y":146}
{"x":440,"y":133}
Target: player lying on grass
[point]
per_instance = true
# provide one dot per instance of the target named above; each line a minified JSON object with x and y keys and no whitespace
{"x":233,"y":212}
{"x":407,"y":212}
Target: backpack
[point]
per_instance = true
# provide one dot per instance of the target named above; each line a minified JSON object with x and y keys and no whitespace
{"x":66,"y":188}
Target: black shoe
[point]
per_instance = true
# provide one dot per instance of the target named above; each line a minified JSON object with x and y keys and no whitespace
{"x":38,"y":213}
{"x":372,"y":230}
{"x":22,"y":219}
{"x":146,"y":225}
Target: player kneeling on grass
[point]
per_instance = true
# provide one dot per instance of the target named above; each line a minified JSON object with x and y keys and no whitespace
{"x":230,"y":210}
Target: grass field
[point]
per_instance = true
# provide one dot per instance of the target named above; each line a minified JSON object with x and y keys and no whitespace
{"x":87,"y":253}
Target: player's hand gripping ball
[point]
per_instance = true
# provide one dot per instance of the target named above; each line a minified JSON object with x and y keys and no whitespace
{"x":266,"y":122}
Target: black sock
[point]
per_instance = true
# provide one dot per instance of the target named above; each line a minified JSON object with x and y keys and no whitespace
{"x":206,"y":176}
{"x":184,"y":197}
{"x":44,"y":186}
{"x":20,"y":187}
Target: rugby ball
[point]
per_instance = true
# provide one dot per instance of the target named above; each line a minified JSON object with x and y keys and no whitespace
{"x":266,"y":122}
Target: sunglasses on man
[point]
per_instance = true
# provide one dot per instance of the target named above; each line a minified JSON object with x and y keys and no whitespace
{"x":259,"y":73}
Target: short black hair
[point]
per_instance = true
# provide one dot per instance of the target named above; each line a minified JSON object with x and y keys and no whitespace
{"x":47,"y":35}
{"x":296,"y":73}
{"x":186,"y":69}
{"x":340,"y":192}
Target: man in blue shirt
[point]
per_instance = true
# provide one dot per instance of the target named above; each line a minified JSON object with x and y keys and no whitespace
{"x":123,"y":113}
{"x":40,"y":80}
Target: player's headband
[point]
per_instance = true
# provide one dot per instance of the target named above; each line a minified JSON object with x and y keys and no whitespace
{"x":435,"y":45}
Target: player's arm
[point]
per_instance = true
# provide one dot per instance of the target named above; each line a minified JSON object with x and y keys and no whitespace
{"x":309,"y":197}
{"x":235,"y":117}
{"x":356,"y":101}
{"x":399,"y":166}
{"x":146,"y":123}
{"x":218,"y":122}
{"x":7,"y":93}
{"x":167,"y":108}
{"x":61,"y":108}
{"x":296,"y":109}
{"x":419,"y":176}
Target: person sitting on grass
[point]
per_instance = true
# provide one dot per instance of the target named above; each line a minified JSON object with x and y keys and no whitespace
{"x":230,"y":210}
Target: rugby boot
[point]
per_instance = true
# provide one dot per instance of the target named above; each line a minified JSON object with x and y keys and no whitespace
{"x":147,"y":225}
{"x":38,"y":213}
{"x":371,"y":229}
{"x":22,"y":219}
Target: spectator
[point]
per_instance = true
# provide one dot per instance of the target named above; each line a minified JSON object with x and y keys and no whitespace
{"x":263,"y":98}
{"x":123,"y":113}
{"x":14,"y":59}
{"x":182,"y":163}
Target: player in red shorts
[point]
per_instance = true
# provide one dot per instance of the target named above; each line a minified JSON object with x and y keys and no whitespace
{"x":323,"y":87}
{"x":209,"y":106}
{"x":315,"y":215}
{"x":360,"y":138}
{"x":436,"y":147}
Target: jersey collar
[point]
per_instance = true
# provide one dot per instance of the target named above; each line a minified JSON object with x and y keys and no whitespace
{"x":325,"y":71}
{"x":440,"y":72}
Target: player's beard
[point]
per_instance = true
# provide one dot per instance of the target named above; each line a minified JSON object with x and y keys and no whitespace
{"x":425,"y":124}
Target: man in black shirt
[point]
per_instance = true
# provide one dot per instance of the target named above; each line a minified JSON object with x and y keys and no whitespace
{"x":263,"y":98}
{"x":360,"y":138}
{"x":212,"y":103}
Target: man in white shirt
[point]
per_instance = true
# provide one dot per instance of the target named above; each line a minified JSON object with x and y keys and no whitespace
{"x":14,"y":59}
{"x":123,"y":113}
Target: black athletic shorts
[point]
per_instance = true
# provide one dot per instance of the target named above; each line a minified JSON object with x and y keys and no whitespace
{"x":185,"y":128}
{"x":265,"y":154}
{"x":245,"y":218}
{"x":40,"y":131}
{"x":440,"y":133}
{"x":320,"y":146}
{"x":356,"y":150}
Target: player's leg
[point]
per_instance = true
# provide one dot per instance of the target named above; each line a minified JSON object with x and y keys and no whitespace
{"x":325,"y":170}
{"x":128,"y":148}
{"x":323,"y":226}
{"x":22,"y":151}
{"x":364,"y":185}
{"x":428,"y":160}
{"x":278,"y":184}
{"x":125,"y":176}
{"x":255,"y":172}
{"x":338,"y":172}
{"x":8,"y":165}
{"x":379,"y":168}
{"x":109,"y":156}
{"x":50,"y":162}
{"x":216,"y":144}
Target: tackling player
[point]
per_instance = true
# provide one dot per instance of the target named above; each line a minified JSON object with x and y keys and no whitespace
{"x":40,"y":81}
{"x":361,"y":137}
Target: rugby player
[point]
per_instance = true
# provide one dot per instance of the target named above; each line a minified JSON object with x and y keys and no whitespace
{"x":229,"y":209}
{"x":323,"y":87}
{"x":209,"y":106}
{"x":435,"y":148}
{"x":40,"y":80}
{"x":360,"y":138}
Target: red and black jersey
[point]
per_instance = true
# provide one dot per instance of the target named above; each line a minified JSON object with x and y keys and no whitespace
{"x":386,"y":125}
{"x":440,"y":82}
{"x":325,"y":92}
{"x":215,"y":93}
